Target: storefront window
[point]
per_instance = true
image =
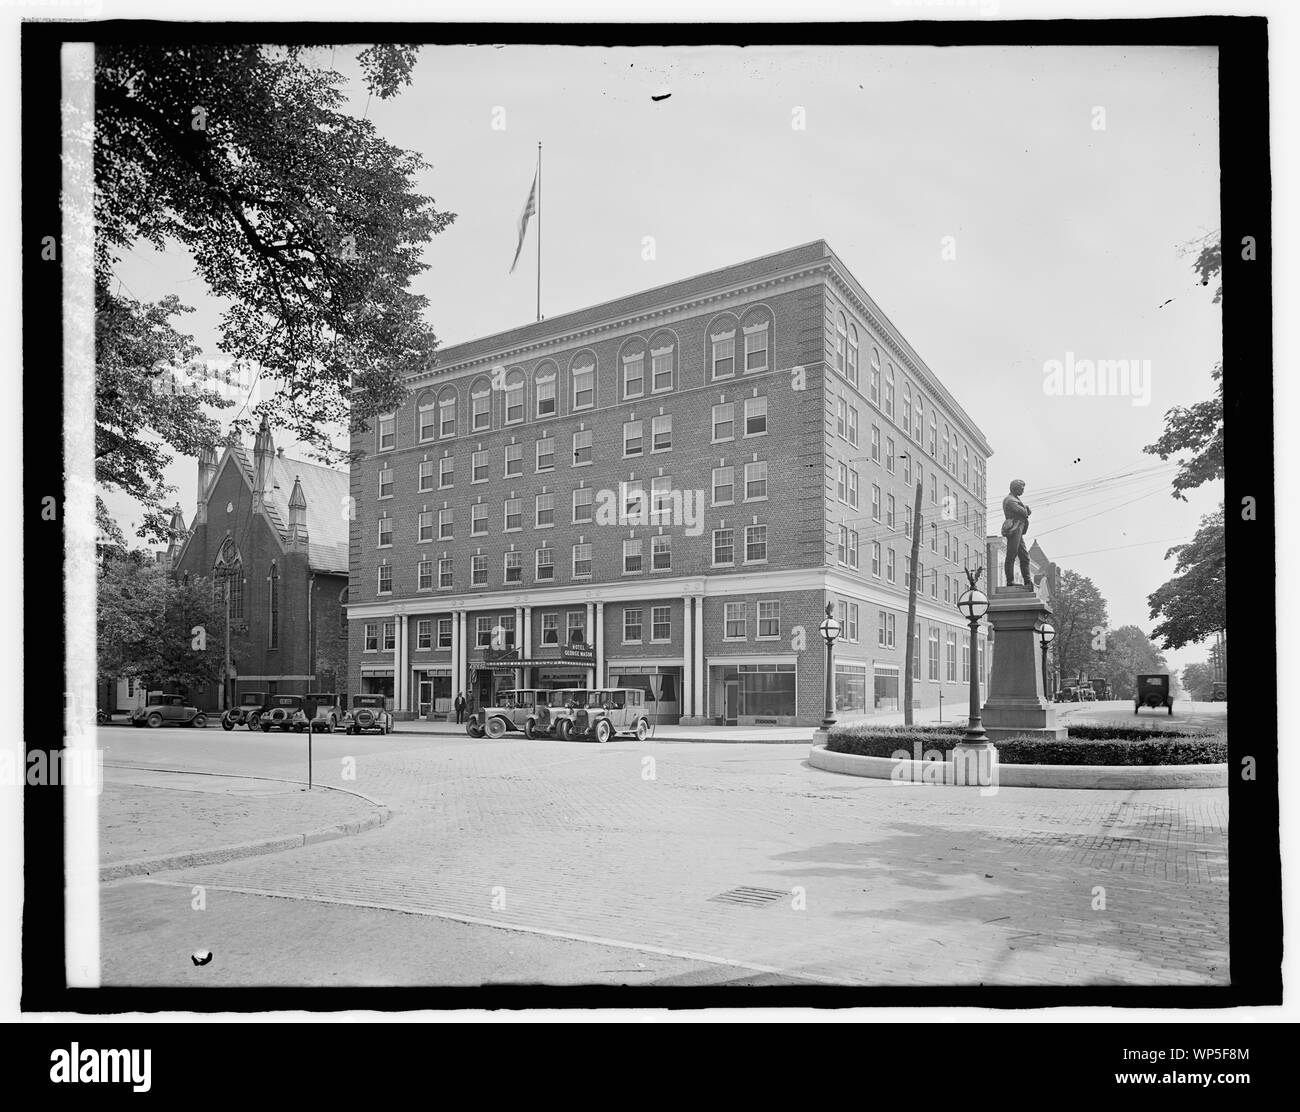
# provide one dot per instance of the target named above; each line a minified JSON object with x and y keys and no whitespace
{"x":763,"y":690}
{"x":887,"y":689}
{"x":850,"y":688}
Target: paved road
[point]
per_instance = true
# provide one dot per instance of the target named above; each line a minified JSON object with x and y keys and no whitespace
{"x":624,"y":849}
{"x":1212,"y":716}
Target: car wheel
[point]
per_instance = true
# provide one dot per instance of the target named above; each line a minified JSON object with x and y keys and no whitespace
{"x":199,"y":721}
{"x":154,"y":721}
{"x":564,"y":728}
{"x":473,"y":728}
{"x":226,"y":724}
{"x":642,"y":729}
{"x":604,"y":731}
{"x":530,"y":730}
{"x":496,"y":728}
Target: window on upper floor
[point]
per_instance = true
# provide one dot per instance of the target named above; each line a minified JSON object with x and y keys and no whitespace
{"x":722,"y":354}
{"x":584,"y":385}
{"x":841,"y":343}
{"x":661,"y":368}
{"x":514,"y":389}
{"x":634,"y":374}
{"x":447,"y":412}
{"x":386,"y":432}
{"x":480,"y":406}
{"x":756,"y":340}
{"x":426,"y":417}
{"x":851,"y":367}
{"x":544,"y":391}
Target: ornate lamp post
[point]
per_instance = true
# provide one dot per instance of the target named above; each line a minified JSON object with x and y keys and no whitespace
{"x":974,"y":604}
{"x":830,"y":630}
{"x":1046,"y":635}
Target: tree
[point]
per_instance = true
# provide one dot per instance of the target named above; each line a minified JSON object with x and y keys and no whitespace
{"x":1081,"y":623}
{"x":1194,"y":604}
{"x":1129,"y":653}
{"x":1198,"y":681}
{"x":298,"y":216}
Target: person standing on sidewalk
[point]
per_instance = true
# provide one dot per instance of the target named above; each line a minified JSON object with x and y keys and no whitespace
{"x":460,"y":707}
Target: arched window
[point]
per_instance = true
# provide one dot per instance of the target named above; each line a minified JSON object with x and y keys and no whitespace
{"x":582,"y":381}
{"x":907,"y":408}
{"x":425,"y":416}
{"x":934,"y":436}
{"x":889,"y":389}
{"x":965,"y":466}
{"x":920,"y":419}
{"x":514,"y":397}
{"x":853,"y":355}
{"x":545,"y":380}
{"x":228,"y":576}
{"x":841,"y":342}
{"x":875,"y":377}
{"x":480,"y":405}
{"x":447,"y":412}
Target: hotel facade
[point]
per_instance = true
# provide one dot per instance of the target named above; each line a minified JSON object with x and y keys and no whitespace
{"x":665,"y":492}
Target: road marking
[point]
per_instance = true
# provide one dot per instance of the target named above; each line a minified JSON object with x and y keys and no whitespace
{"x":597,"y":940}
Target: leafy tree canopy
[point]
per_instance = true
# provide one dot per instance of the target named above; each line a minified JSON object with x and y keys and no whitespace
{"x":1193,"y":604}
{"x":1079,"y":614}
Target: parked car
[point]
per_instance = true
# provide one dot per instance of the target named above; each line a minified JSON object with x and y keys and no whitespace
{"x":101,"y":716}
{"x":1220,"y":692}
{"x":369,"y":712}
{"x":323,"y":712}
{"x":611,"y":712}
{"x":1153,"y":691}
{"x":283,"y":713}
{"x":169,"y":710}
{"x":250,"y":708}
{"x":562,"y":704}
{"x":523,"y":710}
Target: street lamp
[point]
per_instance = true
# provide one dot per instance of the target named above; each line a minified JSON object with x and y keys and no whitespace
{"x":830,"y":629}
{"x":974,"y":604}
{"x":1046,"y":635}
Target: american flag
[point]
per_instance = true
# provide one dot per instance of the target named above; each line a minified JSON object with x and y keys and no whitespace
{"x":530,"y":207}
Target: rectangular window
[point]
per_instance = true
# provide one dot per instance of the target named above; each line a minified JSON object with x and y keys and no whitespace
{"x":875,"y":559}
{"x":545,"y":510}
{"x":661,"y":429}
{"x":514,"y":460}
{"x":907,"y":571}
{"x":631,"y":626}
{"x":724,"y":486}
{"x":632,"y":556}
{"x":584,"y":387}
{"x":934,"y":653}
{"x":875,"y":443}
{"x":582,"y":447}
{"x":576,"y":627}
{"x":386,"y":532}
{"x":889,"y":454}
{"x":853,"y":427}
{"x":483,"y":632}
{"x":853,"y":489}
{"x":769,"y":619}
{"x":890,"y":570}
{"x":965,"y":658}
{"x":661,"y":369}
{"x":550,"y":629}
{"x":756,"y":481}
{"x":633,"y":376}
{"x":875,"y":502}
{"x":546,"y":453}
{"x":424,"y":633}
{"x":756,"y":350}
{"x":724,"y":547}
{"x":633,"y":441}
{"x":853,"y":548}
{"x":446,"y":472}
{"x":724,"y":421}
{"x":515,"y":400}
{"x":632,"y":502}
{"x":661,"y":500}
{"x":386,"y":482}
{"x":513,"y":514}
{"x":444,"y":573}
{"x":842,"y":418}
{"x":545,"y":567}
{"x":890,"y":507}
{"x":372,"y":637}
{"x":481,"y":411}
{"x":546,"y":397}
{"x":479,"y":467}
{"x":390,"y":636}
{"x":426,"y":474}
{"x":385,"y":579}
{"x":444,"y":633}
{"x":756,"y":416}
{"x":582,"y":561}
{"x":853,"y":622}
{"x":425,"y":523}
{"x":514,"y":567}
{"x":952,"y":656}
{"x":755,"y":544}
{"x":661,"y":553}
{"x":880,"y":631}
{"x":478,"y":519}
{"x":842,"y":550}
{"x":733,"y":621}
{"x":424,"y":575}
{"x":724,"y":355}
{"x":583,"y":499}
{"x":661,"y":623}
{"x":478,"y":571}
{"x":447,"y":416}
{"x":387,"y":432}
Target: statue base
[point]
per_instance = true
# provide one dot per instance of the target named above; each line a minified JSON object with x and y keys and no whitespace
{"x":1016,"y":706}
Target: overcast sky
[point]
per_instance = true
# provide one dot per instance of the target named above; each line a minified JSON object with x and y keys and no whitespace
{"x":1068,"y":239}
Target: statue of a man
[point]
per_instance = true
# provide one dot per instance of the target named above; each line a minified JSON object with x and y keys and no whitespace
{"x":1014,"y":528}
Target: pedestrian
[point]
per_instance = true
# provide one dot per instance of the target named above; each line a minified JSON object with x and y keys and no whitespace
{"x":460,"y":707}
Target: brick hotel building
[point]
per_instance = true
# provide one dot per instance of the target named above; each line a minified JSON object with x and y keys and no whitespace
{"x":664,"y":492}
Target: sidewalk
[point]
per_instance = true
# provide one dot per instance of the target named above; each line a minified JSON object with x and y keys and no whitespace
{"x":746,"y":734}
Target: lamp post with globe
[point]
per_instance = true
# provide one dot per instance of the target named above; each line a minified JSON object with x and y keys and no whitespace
{"x":974,"y":604}
{"x":830,"y":630}
{"x":1046,"y":635}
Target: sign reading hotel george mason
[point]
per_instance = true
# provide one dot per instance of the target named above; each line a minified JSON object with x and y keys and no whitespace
{"x":583,"y":653}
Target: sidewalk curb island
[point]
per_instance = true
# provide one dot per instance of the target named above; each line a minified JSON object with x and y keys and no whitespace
{"x":1102,"y":777}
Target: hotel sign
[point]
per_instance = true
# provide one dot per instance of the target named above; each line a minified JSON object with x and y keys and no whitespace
{"x":579,"y":654}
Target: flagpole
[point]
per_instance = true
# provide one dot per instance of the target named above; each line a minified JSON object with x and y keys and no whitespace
{"x":539,"y":231}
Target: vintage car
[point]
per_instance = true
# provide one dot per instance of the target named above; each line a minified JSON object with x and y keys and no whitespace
{"x":369,"y":712}
{"x":523,"y":710}
{"x":1220,"y":692}
{"x":284,"y":713}
{"x":168,"y":710}
{"x":611,"y":712}
{"x":322,"y":711}
{"x":562,"y":704}
{"x":247,"y":713}
{"x":1153,"y":691}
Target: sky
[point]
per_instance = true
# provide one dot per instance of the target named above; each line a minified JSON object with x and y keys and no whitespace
{"x":972,"y":191}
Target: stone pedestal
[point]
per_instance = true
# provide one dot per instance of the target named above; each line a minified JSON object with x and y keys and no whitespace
{"x":1016,"y":704}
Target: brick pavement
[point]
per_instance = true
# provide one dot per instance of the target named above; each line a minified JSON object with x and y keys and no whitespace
{"x":880,"y":883}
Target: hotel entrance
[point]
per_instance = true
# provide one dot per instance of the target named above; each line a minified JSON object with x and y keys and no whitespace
{"x":433,"y":693}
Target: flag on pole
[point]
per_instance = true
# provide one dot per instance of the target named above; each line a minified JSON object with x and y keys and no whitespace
{"x":530,"y":207}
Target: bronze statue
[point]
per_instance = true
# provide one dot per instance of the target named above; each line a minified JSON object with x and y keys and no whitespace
{"x":1014,"y":528}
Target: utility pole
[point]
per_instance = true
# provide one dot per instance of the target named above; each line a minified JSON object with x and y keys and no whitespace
{"x":911,"y":607}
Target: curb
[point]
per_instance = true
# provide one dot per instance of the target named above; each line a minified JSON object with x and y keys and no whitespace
{"x":1099,"y":777}
{"x":692,"y":740}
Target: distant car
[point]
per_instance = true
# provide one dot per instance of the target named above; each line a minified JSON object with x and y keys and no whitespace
{"x":283,"y":713}
{"x":1220,"y":692}
{"x":611,"y":712}
{"x":324,"y":711}
{"x":248,"y":712}
{"x":369,"y":712}
{"x":1153,"y":691}
{"x":168,"y":710}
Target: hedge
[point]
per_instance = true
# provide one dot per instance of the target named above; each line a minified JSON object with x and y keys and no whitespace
{"x":1086,"y":745}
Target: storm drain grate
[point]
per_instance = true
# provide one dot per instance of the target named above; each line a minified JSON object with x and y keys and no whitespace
{"x":750,"y":897}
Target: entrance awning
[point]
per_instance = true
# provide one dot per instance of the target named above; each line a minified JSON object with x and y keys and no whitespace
{"x":527,"y":662}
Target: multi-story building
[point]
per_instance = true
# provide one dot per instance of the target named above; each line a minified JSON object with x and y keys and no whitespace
{"x":665,"y":491}
{"x":271,"y":533}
